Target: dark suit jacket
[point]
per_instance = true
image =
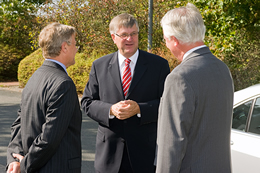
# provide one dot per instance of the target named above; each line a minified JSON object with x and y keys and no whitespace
{"x":48,"y":128}
{"x":195,"y":117}
{"x":104,"y":89}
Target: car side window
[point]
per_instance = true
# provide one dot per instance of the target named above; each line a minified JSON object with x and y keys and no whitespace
{"x":254,"y":125}
{"x":240,"y":115}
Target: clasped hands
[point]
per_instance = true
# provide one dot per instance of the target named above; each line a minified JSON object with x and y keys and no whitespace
{"x":14,"y":167}
{"x":125,"y":109}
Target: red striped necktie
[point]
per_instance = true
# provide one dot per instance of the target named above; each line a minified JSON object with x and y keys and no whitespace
{"x":126,"y":76}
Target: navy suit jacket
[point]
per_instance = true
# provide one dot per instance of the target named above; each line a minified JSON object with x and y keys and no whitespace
{"x":47,"y":130}
{"x":104,"y":89}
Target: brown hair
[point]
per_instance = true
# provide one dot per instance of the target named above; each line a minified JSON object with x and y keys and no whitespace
{"x":52,"y":36}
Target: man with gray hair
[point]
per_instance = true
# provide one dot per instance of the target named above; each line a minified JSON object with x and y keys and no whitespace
{"x":196,"y":107}
{"x":46,"y":136}
{"x":123,"y":95}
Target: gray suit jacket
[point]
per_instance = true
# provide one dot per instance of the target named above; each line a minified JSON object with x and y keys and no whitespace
{"x":48,"y":128}
{"x":195,"y":117}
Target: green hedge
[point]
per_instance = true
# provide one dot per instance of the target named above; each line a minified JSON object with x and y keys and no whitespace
{"x":79,"y":72}
{"x":28,"y":66}
{"x":9,"y":60}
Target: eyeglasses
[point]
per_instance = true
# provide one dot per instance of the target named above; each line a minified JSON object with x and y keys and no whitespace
{"x":125,"y":36}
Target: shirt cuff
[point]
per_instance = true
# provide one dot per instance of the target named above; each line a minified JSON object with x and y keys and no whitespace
{"x":111,"y":116}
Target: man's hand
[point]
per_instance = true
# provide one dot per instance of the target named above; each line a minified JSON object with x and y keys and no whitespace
{"x":18,"y":156}
{"x":125,"y":109}
{"x":14,"y":167}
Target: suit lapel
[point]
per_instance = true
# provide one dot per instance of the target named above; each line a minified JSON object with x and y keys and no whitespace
{"x":140,"y":68}
{"x":113,"y":70}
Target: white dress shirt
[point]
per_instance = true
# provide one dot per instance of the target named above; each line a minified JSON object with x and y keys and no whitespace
{"x":121,"y":63}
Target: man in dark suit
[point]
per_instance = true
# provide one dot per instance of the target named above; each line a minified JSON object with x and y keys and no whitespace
{"x":46,"y":134}
{"x":127,"y":113}
{"x":196,"y":108}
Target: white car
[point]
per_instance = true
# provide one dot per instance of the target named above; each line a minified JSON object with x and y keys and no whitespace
{"x":245,"y":133}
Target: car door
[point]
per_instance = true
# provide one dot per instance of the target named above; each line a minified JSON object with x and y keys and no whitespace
{"x":245,"y":137}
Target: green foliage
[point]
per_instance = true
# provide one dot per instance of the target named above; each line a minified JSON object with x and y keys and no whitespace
{"x":92,"y":20}
{"x":166,"y":53}
{"x":9,"y":60}
{"x":232,"y":29}
{"x":17,"y":19}
{"x":244,"y":60}
{"x":233,"y":36}
{"x":28,"y":66}
{"x":79,"y":72}
{"x":244,"y":13}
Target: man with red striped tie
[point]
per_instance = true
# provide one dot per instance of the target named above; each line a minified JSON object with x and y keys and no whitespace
{"x":123,"y":95}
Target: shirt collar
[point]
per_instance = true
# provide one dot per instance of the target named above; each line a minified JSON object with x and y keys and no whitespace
{"x":121,"y":58}
{"x":192,"y":50}
{"x":62,"y":65}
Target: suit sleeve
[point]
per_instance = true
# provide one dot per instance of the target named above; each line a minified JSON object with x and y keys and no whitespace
{"x":91,"y":103}
{"x":60,"y":107}
{"x":15,"y":145}
{"x":149,"y":109}
{"x":96,"y":109}
{"x":175,"y":119}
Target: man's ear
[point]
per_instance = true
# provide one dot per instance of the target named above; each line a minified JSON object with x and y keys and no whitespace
{"x":64,"y":47}
{"x":113,"y":37}
{"x":176,"y":41}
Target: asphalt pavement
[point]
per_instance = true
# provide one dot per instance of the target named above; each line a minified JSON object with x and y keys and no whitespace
{"x":10,"y":97}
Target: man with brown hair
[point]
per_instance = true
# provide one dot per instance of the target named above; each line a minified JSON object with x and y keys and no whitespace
{"x":46,"y":135}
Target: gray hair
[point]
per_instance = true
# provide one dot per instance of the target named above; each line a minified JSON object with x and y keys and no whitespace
{"x":122,"y":20}
{"x":52,"y":36}
{"x":185,"y":24}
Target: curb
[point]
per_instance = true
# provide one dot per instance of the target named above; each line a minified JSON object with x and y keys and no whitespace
{"x":12,"y":86}
{"x":7,"y":84}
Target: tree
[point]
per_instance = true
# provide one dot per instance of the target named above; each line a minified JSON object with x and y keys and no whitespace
{"x":17,"y":18}
{"x":233,"y":35}
{"x":232,"y":28}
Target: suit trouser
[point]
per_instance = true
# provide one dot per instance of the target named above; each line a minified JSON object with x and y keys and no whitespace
{"x":125,"y":166}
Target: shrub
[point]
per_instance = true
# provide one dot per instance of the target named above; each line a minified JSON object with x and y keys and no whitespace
{"x":79,"y":72}
{"x":28,"y":66}
{"x":17,"y":19}
{"x":244,"y":61}
{"x":166,"y":54}
{"x":9,"y":60}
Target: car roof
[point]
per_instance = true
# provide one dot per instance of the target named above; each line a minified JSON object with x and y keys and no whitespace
{"x":246,"y":93}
